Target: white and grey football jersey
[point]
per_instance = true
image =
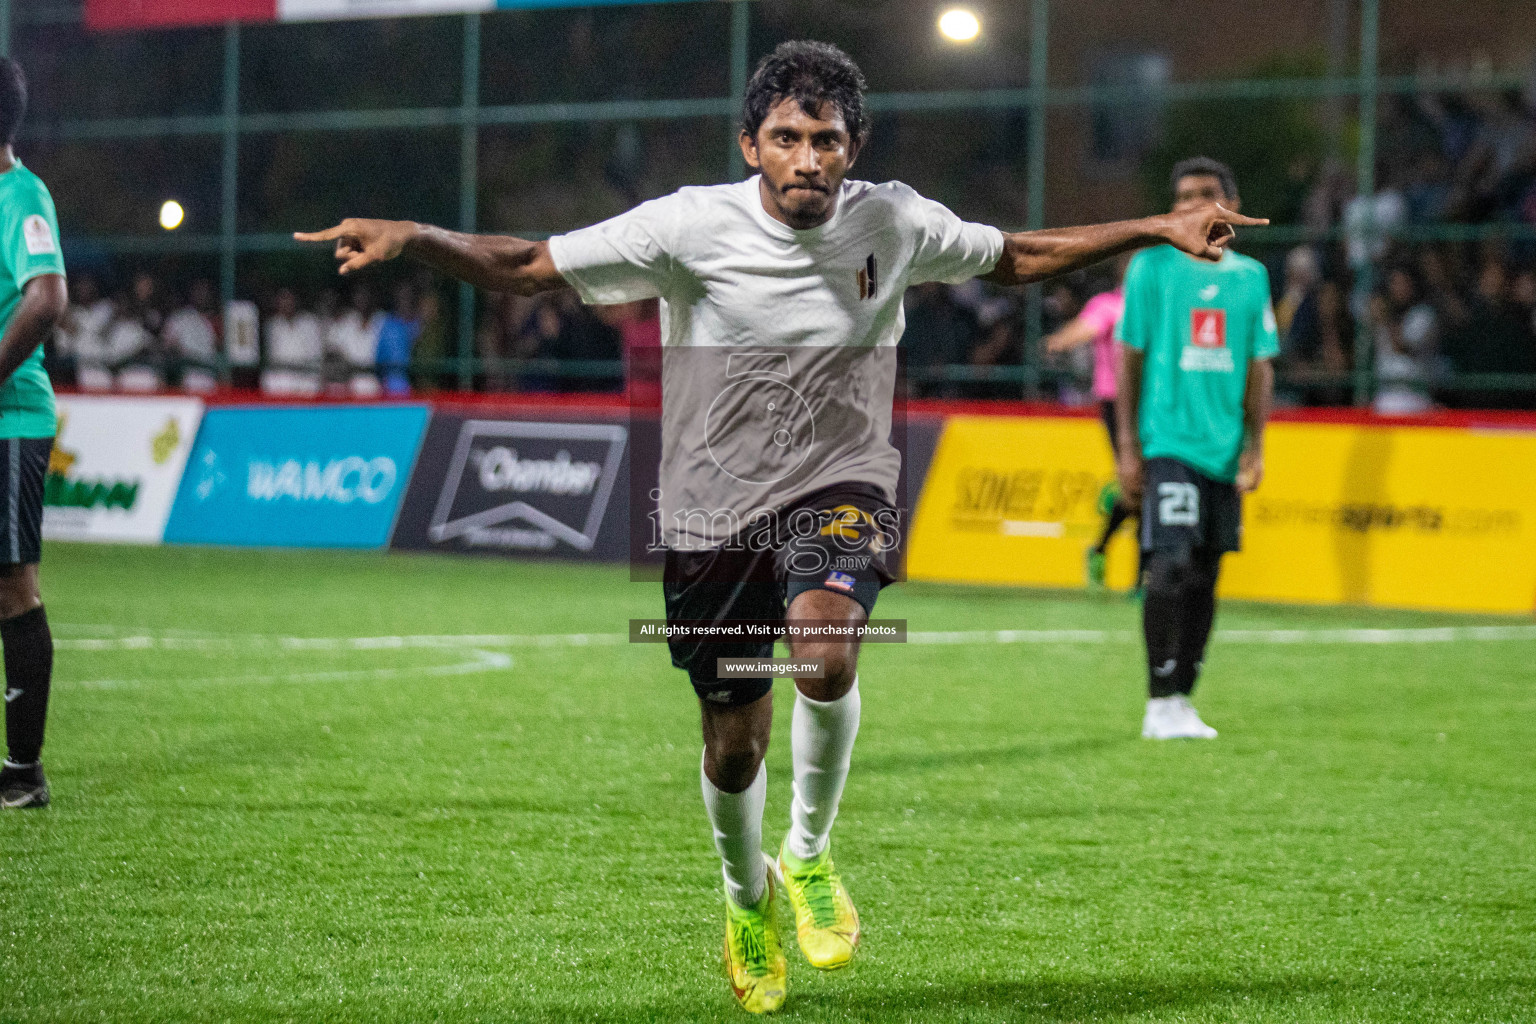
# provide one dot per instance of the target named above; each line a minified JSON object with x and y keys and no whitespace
{"x":779,"y":346}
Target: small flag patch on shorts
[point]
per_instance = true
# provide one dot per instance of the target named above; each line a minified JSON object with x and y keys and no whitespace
{"x":840,"y":581}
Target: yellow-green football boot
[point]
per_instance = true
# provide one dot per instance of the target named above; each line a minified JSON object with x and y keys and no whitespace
{"x":754,"y":953}
{"x":826,"y":923}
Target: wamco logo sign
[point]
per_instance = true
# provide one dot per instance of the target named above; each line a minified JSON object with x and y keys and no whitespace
{"x":339,"y":481}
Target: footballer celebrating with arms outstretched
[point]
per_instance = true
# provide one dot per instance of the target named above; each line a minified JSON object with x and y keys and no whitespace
{"x":781,"y":302}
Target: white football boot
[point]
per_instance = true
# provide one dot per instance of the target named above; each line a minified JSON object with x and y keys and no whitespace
{"x":1154,"y":724}
{"x":1174,"y":718}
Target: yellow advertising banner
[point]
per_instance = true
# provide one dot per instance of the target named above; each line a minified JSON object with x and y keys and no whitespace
{"x":1012,"y":500}
{"x":1406,"y":517}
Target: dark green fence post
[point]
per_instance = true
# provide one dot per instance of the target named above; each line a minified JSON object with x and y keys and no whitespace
{"x":229,"y":169}
{"x":1365,"y":187}
{"x":469,"y":182}
{"x":736,"y":166}
{"x":1034,"y":317}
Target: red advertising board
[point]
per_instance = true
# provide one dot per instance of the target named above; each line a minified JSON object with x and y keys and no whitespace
{"x":119,"y":15}
{"x":126,"y":14}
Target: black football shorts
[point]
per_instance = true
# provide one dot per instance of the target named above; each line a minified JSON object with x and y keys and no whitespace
{"x":836,"y":539}
{"x":23,"y":468}
{"x":1182,"y":509}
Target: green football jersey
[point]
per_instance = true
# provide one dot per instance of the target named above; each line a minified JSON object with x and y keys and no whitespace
{"x":29,"y":247}
{"x":1200,"y":325}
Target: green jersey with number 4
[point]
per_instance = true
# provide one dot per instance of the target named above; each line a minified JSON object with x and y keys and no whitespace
{"x":29,"y":247}
{"x":1200,"y":325}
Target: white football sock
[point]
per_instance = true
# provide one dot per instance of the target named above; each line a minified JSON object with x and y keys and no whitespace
{"x":737,"y":820}
{"x":821,"y":737}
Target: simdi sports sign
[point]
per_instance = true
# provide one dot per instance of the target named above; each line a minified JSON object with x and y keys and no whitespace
{"x":1013,"y":501}
{"x":1350,"y":513}
{"x":109,"y":15}
{"x":1408,"y":517}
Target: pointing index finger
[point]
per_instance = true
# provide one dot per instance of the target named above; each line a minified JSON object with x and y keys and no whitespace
{"x":1237,"y":218}
{"x":329,"y":234}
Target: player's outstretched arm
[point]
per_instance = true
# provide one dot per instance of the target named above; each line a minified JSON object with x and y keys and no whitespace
{"x":1030,"y":256}
{"x":44,"y":301}
{"x":496,"y":263}
{"x":1077,"y":333}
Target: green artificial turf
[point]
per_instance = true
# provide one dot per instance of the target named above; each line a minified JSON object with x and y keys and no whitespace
{"x":251,"y":829}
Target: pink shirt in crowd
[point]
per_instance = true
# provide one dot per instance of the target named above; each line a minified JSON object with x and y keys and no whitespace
{"x":1101,"y":313}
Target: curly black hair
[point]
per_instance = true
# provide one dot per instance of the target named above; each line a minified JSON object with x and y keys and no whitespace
{"x":1204,"y":165}
{"x":13,"y":99}
{"x":812,"y":74}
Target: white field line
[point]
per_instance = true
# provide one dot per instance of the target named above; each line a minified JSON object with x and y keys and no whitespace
{"x":479,"y":661}
{"x":1019,"y":636}
{"x":1434,"y":635}
{"x":142,"y":640}
{"x":468,"y":659}
{"x":1430,"y":635}
{"x":478,"y":653}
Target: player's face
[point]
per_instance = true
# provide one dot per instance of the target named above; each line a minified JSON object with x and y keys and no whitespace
{"x":803,"y":160}
{"x":1198,"y":189}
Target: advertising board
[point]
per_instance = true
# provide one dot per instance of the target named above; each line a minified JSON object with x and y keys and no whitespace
{"x":1404,"y":517}
{"x":115,"y":467}
{"x":314,"y":476}
{"x":1013,"y":500}
{"x":1396,"y":516}
{"x":519,"y":486}
{"x":119,"y":15}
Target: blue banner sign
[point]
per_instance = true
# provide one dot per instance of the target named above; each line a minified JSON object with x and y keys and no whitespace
{"x":326,"y":476}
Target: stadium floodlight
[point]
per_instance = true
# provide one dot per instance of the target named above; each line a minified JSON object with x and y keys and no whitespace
{"x":171,"y":215}
{"x":959,"y":25}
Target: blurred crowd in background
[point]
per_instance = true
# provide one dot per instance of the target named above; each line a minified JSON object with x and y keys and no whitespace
{"x":1438,"y":319}
{"x":1376,"y":281}
{"x":144,"y":336}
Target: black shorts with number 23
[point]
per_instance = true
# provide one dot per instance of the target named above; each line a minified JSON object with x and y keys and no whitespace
{"x":1183,"y":509}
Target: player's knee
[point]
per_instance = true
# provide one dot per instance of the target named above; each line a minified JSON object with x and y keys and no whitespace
{"x":735,"y":740}
{"x":18,"y":593}
{"x":733,"y":767}
{"x":840,"y":666}
{"x":1168,"y":573}
{"x":1204,"y":572}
